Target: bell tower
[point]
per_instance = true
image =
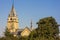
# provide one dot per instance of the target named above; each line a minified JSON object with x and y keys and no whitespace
{"x":12,"y":22}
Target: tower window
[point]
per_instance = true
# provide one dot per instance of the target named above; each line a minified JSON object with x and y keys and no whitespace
{"x":10,"y":18}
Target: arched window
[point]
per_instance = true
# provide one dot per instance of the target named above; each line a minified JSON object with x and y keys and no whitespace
{"x":10,"y":18}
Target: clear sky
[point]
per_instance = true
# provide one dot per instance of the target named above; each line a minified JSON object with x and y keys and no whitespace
{"x":28,"y":10}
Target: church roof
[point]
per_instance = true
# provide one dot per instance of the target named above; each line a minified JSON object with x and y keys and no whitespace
{"x":26,"y":28}
{"x":13,"y":12}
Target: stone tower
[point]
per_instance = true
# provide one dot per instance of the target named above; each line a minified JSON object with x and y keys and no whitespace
{"x":12,"y":22}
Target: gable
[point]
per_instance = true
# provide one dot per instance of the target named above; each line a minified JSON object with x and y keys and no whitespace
{"x":25,"y":32}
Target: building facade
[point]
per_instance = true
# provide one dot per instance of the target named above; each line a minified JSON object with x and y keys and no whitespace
{"x":13,"y":25}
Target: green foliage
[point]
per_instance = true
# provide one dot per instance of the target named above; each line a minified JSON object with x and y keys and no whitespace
{"x":7,"y":33}
{"x":47,"y":30}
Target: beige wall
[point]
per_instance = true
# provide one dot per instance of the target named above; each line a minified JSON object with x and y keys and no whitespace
{"x":25,"y":32}
{"x":13,"y":24}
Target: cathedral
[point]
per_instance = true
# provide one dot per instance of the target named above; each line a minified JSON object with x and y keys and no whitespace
{"x":13,"y":25}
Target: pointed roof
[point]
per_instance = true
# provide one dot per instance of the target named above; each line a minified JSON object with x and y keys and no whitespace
{"x":26,"y":28}
{"x":13,"y":12}
{"x":31,"y":23}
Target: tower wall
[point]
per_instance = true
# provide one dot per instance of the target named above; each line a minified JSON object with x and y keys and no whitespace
{"x":12,"y":22}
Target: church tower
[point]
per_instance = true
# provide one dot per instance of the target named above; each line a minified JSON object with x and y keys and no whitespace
{"x":12,"y":22}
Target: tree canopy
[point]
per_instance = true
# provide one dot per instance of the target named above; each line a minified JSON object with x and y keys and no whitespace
{"x":47,"y":29}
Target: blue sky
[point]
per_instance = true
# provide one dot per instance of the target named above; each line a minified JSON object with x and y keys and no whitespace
{"x":28,"y":10}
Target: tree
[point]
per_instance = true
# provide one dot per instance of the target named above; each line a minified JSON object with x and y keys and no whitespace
{"x":7,"y":33}
{"x":9,"y":36}
{"x":47,"y":30}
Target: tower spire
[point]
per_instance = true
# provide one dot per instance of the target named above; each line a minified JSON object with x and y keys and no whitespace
{"x":31,"y":25}
{"x":12,"y":4}
{"x":13,"y":12}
